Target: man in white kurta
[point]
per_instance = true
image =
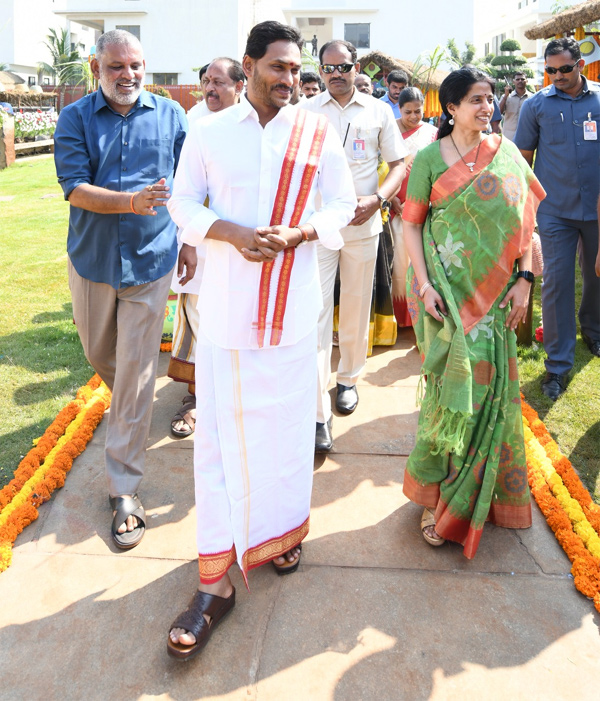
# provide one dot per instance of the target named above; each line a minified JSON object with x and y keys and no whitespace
{"x":222,"y":85}
{"x":253,"y":452}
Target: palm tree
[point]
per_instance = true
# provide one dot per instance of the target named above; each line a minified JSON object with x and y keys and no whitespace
{"x":66,"y":66}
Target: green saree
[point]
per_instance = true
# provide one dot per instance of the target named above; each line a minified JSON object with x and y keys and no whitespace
{"x":469,"y":460}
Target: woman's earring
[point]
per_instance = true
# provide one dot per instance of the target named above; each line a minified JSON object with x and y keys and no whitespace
{"x":451,"y":121}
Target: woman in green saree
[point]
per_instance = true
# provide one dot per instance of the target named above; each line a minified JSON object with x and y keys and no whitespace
{"x":468,"y":221}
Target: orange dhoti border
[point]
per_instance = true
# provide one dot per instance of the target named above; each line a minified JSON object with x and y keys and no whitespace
{"x":253,"y":453}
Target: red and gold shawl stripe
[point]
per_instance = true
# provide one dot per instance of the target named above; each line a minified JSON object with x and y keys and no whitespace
{"x":319,"y":127}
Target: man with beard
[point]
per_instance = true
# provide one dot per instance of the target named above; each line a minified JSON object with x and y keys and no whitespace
{"x":367,"y":130}
{"x":397,"y":80}
{"x":222,"y":84}
{"x":116,"y":151}
{"x":264,"y":163}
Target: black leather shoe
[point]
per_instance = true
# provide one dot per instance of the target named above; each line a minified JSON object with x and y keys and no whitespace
{"x":554,"y":385}
{"x":347,"y":399}
{"x":594,"y":346}
{"x":323,"y":439}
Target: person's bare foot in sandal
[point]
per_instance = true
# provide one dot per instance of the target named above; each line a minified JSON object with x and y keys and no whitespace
{"x":222,"y":588}
{"x":428,"y":529}
{"x":289,"y":561}
{"x":183,"y":424}
{"x":289,"y":557}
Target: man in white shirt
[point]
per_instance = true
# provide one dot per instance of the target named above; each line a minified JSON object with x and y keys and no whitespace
{"x":511,"y":103}
{"x":367,"y":129}
{"x":222,"y":84}
{"x":262,"y":164}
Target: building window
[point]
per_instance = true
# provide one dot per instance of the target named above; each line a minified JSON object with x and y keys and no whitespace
{"x":31,"y":80}
{"x":358,"y":34}
{"x":131,"y":28}
{"x":164,"y":78}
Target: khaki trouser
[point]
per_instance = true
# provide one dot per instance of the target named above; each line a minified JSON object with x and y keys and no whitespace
{"x":357,"y":265}
{"x":120,"y":331}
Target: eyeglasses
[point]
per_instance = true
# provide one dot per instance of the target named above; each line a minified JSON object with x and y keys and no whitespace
{"x":341,"y":67}
{"x":561,"y":69}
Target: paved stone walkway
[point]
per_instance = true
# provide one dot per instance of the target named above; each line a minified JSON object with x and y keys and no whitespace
{"x":372,"y":613}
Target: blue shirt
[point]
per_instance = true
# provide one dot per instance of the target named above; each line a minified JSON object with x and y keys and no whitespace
{"x":551,"y":123}
{"x":394,"y":105}
{"x":93,"y":144}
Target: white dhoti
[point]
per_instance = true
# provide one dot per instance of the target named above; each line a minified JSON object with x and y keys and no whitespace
{"x":253,"y":452}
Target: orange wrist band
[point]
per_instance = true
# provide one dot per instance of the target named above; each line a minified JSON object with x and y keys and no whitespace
{"x":131,"y":202}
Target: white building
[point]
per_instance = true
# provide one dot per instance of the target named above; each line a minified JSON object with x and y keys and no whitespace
{"x":24,"y":27}
{"x":180,"y":35}
{"x":509,"y":19}
{"x":398,"y":28}
{"x":184,"y":34}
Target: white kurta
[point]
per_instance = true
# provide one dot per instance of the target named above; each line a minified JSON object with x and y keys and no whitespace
{"x":254,"y":440}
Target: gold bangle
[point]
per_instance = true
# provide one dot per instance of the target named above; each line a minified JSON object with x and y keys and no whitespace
{"x":131,"y":202}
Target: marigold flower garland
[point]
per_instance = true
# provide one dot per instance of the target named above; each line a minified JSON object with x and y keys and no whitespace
{"x":44,"y":468}
{"x":565,"y":503}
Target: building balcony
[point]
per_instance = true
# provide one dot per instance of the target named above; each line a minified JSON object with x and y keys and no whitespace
{"x":92,"y":13}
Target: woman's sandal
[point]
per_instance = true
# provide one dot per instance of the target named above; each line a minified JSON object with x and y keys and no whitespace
{"x":192,"y":621}
{"x":427,"y":520}
{"x":189,"y":405}
{"x":126,"y":506}
{"x":289,"y":567}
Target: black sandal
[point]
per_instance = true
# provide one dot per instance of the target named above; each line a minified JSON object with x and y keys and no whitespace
{"x":192,"y":621}
{"x":124,"y":507}
{"x":289,"y":567}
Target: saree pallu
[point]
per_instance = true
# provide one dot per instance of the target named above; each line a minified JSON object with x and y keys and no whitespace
{"x":469,"y":460}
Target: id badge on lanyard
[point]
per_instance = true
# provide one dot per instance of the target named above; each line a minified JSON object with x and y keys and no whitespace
{"x":359,"y":147}
{"x":590,"y":129}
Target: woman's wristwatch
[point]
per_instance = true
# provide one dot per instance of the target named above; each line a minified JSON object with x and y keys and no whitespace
{"x":527,"y":275}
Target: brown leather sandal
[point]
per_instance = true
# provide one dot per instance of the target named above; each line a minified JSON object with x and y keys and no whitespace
{"x":185,"y":415}
{"x":192,"y":620}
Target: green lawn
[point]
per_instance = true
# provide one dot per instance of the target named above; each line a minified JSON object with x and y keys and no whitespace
{"x":42,"y":364}
{"x":41,"y":361}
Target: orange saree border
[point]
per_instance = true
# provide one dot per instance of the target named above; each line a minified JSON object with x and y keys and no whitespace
{"x":459,"y":176}
{"x":460,"y":530}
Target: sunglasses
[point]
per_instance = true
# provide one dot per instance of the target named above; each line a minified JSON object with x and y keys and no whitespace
{"x":561,"y":69}
{"x":341,"y":67}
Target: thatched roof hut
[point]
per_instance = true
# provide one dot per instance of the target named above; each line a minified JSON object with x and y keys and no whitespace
{"x":389,"y":63}
{"x":567,"y":20}
{"x":10,"y":79}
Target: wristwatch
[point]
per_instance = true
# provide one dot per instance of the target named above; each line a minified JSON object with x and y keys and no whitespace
{"x":527,"y":274}
{"x":383,"y":203}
